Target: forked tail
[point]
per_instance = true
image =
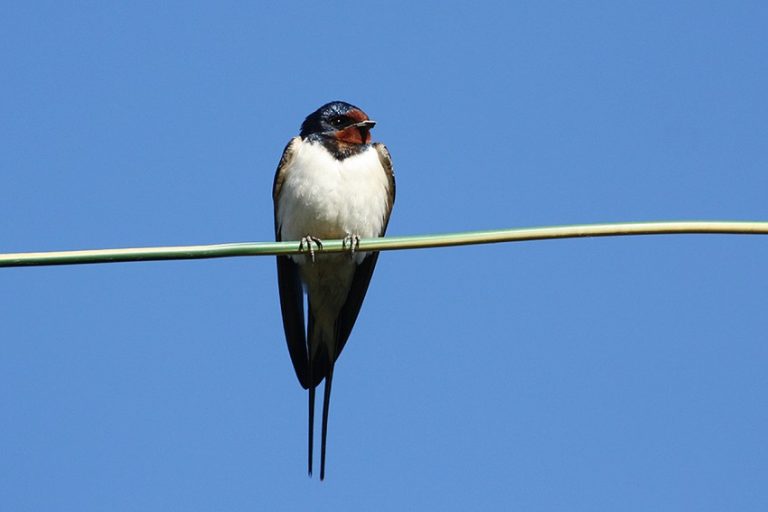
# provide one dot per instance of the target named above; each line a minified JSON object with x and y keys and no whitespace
{"x":326,"y":405}
{"x":311,"y":429}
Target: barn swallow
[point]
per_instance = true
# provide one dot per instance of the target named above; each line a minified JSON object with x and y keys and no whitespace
{"x":332,"y":183}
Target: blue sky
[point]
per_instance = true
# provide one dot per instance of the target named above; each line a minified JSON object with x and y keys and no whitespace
{"x":604,"y":374}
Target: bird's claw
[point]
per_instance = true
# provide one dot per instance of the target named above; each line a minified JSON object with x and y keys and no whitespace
{"x":350,"y":242}
{"x":309,"y":240}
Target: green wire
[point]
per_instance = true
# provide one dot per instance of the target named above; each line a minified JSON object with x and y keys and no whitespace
{"x":380,"y":244}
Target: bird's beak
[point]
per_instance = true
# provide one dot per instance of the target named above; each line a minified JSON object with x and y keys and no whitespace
{"x":366,"y":124}
{"x":364,"y":127}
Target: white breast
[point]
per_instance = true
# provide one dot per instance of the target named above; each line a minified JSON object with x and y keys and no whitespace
{"x":330,"y":198}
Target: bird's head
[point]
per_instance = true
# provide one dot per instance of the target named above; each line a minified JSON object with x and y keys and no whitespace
{"x":341,"y":121}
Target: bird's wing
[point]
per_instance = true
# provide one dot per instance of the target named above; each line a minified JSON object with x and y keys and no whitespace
{"x":386,"y":163}
{"x":289,"y":283}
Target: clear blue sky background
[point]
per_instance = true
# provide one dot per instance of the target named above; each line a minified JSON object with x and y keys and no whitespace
{"x":604,"y":374}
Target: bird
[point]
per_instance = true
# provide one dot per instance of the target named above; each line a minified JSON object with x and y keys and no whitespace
{"x":332,"y":182}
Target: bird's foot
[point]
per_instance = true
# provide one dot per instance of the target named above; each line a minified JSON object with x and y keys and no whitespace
{"x":351,"y":243}
{"x":308,"y":241}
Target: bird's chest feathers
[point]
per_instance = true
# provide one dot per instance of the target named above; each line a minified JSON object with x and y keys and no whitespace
{"x":329,"y":198}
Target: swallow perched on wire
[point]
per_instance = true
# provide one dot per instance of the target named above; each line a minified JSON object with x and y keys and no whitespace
{"x":331,"y":183}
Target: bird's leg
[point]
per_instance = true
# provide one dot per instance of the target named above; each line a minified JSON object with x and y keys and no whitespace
{"x":309,"y":240}
{"x":350,"y":242}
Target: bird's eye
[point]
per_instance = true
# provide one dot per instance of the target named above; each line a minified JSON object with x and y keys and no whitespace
{"x":337,"y":121}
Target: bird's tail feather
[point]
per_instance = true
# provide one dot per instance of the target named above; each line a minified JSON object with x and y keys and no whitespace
{"x":311,"y":429}
{"x":326,"y":405}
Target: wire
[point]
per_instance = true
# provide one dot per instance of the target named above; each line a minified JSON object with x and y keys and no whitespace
{"x":380,"y":244}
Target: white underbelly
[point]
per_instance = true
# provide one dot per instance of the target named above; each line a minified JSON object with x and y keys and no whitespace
{"x":330,"y":199}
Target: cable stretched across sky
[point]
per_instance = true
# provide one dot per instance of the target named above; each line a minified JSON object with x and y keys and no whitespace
{"x":228,"y":250}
